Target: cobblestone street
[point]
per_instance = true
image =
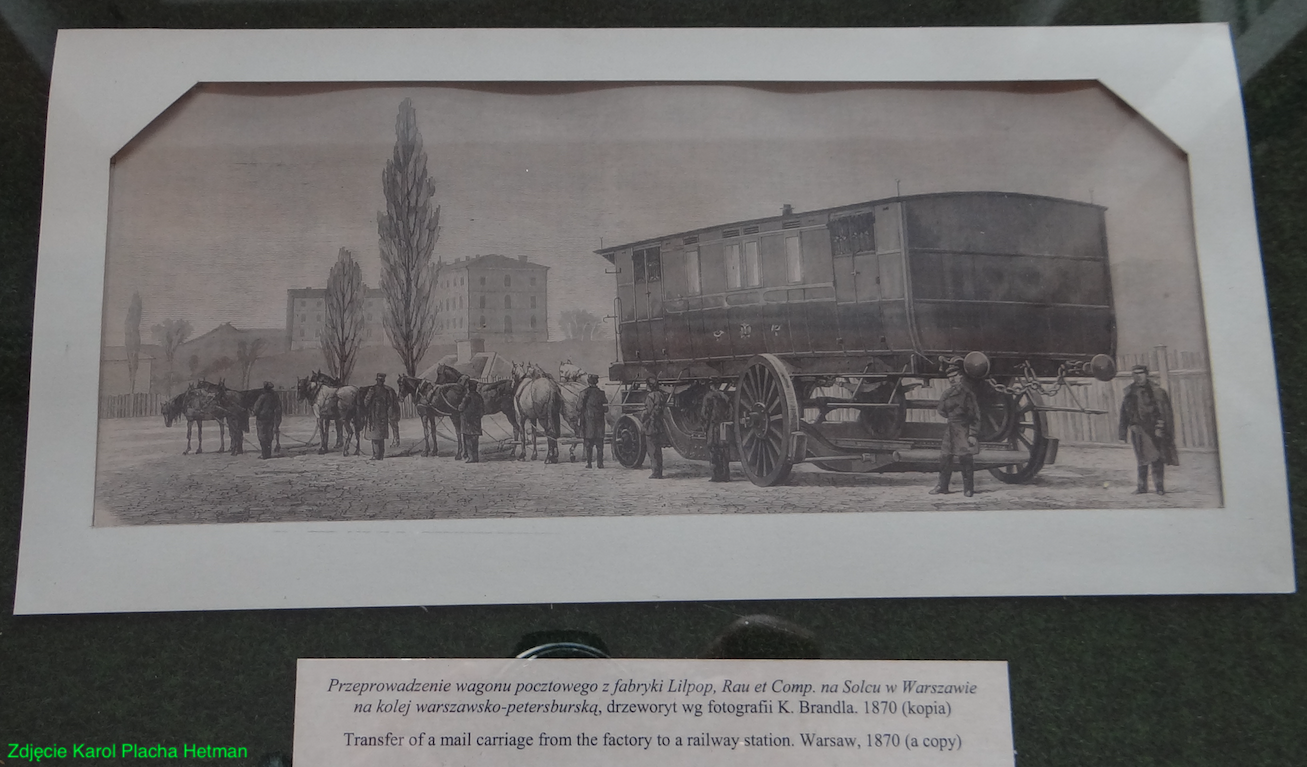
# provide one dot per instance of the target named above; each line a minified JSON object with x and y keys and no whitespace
{"x":143,"y":478}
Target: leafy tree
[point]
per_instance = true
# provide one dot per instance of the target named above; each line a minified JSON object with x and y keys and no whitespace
{"x":343,"y":330}
{"x":408,"y":230}
{"x":581,"y":324}
{"x":132,"y":334}
{"x":247,"y":353}
{"x":170,"y":335}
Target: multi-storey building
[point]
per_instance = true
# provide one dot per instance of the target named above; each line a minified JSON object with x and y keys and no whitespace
{"x":492,"y":297}
{"x":306,"y":314}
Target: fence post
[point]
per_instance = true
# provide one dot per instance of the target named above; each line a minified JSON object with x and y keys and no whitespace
{"x":1163,"y":367}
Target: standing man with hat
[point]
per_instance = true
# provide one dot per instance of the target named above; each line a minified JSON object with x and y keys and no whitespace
{"x":1147,"y":422}
{"x":655,"y":402}
{"x":380,"y":409}
{"x":267,"y":412}
{"x":594,"y":411}
{"x":715,"y":411}
{"x":470,"y":411}
{"x":961,"y":410}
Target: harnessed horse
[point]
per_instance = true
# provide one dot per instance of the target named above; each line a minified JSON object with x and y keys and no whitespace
{"x":332,"y":402}
{"x":539,"y":401}
{"x":197,"y":405}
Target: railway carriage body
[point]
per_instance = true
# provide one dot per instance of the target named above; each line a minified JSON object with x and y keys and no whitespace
{"x":874,"y":297}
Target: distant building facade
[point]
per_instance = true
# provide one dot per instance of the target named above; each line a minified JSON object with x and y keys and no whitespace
{"x":306,"y":316}
{"x":492,"y":297}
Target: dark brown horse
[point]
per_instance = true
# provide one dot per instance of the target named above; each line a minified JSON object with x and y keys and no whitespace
{"x":197,"y":405}
{"x":433,"y":402}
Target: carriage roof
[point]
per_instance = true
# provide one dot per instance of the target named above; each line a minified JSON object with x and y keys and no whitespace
{"x":610,"y":253}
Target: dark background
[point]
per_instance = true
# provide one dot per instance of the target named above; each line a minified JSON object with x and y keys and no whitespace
{"x":1112,"y":680}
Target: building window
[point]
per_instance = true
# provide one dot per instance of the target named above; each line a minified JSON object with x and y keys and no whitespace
{"x":533,"y":302}
{"x":533,"y":281}
{"x":483,"y":280}
{"x":794,"y":259}
{"x":692,"y":284}
{"x":533,"y":322}
{"x":751,"y":270}
{"x":303,"y":318}
{"x":508,"y":302}
{"x":508,"y":324}
{"x":483,"y":302}
{"x":483,"y":320}
{"x":733,"y":265}
{"x":508,"y":281}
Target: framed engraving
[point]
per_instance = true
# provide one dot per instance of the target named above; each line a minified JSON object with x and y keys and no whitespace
{"x":950,"y":323}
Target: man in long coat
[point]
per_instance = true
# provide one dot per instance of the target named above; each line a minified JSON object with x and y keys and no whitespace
{"x":594,"y":420}
{"x":961,"y":410}
{"x":655,"y":403}
{"x":715,"y":411}
{"x":1147,"y":422}
{"x":380,"y":409}
{"x":267,"y":411}
{"x":470,"y":411}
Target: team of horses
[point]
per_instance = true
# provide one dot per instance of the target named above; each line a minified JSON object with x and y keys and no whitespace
{"x":531,"y":399}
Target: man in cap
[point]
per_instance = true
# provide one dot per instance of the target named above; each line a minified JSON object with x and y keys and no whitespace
{"x":655,"y":402}
{"x":267,"y":412}
{"x":594,"y":422}
{"x":380,"y":409}
{"x":715,"y":411}
{"x":961,"y":410}
{"x":470,"y":411}
{"x":1148,"y":424}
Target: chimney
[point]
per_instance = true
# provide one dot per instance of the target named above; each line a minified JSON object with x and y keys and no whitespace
{"x":522,"y":259}
{"x":787,"y":209}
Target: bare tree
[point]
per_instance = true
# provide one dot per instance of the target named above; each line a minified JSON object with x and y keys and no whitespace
{"x":170,"y":335}
{"x":132,"y":334}
{"x":408,"y":231}
{"x":580,"y":324}
{"x":343,"y":330}
{"x":193,"y":365}
{"x":216,"y":367}
{"x":247,"y":353}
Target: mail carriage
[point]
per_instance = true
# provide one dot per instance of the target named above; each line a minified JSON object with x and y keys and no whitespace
{"x":828,"y":327}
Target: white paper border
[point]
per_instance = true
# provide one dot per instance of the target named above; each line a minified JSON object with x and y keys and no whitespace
{"x":109,"y":84}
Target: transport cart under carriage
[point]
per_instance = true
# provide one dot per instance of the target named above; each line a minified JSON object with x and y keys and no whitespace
{"x":873,"y":299}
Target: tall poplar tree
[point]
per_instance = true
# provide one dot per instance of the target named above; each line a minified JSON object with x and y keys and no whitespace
{"x":408,"y":230}
{"x":342,"y":332}
{"x":132,"y":336}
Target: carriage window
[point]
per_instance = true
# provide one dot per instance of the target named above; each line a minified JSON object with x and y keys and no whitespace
{"x":647,"y":265}
{"x":793,"y":259}
{"x":733,"y":265}
{"x":751,"y":271}
{"x":854,"y":234}
{"x":693,"y":286}
{"x":637,"y":266}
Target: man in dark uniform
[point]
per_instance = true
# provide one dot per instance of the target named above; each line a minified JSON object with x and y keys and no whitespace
{"x":655,"y":402}
{"x":470,"y":411}
{"x":267,"y":411}
{"x":715,"y":411}
{"x":594,"y":422}
{"x":961,"y":410}
{"x":1148,"y":423}
{"x":380,"y":407}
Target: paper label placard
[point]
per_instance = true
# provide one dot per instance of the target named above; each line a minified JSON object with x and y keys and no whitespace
{"x":651,"y":712}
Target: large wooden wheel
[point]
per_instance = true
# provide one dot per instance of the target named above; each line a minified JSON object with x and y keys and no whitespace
{"x":766,"y":415}
{"x":1027,"y":431}
{"x":628,"y":441}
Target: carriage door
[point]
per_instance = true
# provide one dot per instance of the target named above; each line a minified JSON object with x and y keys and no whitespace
{"x":648,"y":269}
{"x":857,"y":272}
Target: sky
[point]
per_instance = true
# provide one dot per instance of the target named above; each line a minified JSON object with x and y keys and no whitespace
{"x":239,"y":192}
